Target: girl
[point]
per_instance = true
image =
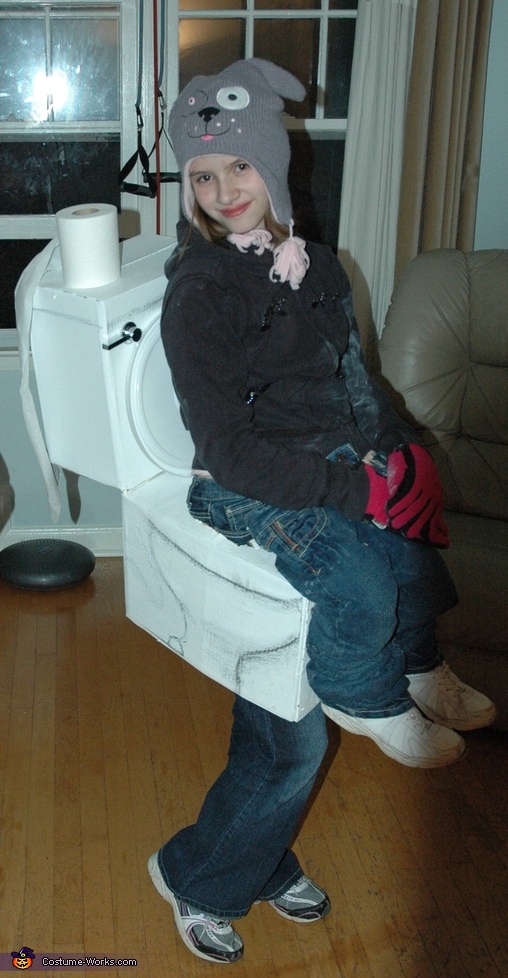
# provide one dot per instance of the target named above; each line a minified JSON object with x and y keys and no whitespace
{"x":299,"y":450}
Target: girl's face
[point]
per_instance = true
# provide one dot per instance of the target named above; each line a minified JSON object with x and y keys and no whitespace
{"x":230,"y":191}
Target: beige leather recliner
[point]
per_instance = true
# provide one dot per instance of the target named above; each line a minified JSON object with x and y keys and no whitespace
{"x":444,"y":357}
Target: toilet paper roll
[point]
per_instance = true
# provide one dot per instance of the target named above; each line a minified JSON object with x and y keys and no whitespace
{"x":89,"y":246}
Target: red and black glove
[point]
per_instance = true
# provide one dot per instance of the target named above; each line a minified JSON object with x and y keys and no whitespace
{"x":415,"y":503}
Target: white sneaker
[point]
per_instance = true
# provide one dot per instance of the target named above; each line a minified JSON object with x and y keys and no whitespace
{"x":407,"y":737}
{"x":445,"y":699}
{"x":206,"y":936}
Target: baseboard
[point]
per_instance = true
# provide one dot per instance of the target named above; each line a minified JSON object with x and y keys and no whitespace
{"x":103,"y":541}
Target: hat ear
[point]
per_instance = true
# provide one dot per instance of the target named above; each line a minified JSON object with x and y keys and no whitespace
{"x":281,"y":81}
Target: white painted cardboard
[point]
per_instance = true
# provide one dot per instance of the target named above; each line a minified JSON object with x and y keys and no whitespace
{"x":225,"y":609}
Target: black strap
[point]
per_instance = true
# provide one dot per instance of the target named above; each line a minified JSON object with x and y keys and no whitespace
{"x":149,"y":186}
{"x":171,"y":177}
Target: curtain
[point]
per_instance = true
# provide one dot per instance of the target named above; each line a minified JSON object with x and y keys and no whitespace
{"x":373,"y":155}
{"x":442,"y":147}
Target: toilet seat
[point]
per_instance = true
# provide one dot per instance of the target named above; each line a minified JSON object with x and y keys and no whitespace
{"x":153,"y":408}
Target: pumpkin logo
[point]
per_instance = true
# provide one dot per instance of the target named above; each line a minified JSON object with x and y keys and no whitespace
{"x":23,"y":958}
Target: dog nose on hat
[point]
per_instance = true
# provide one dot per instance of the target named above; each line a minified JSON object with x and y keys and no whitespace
{"x":208,"y":113}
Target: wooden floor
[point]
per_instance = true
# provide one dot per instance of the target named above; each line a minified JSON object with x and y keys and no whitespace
{"x":108,"y":742}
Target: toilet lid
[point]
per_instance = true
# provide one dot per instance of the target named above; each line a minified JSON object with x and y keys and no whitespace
{"x":153,"y":406}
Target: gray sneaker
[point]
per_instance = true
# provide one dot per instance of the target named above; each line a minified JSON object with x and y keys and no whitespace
{"x":407,"y":737}
{"x":206,"y":936}
{"x":304,"y":902}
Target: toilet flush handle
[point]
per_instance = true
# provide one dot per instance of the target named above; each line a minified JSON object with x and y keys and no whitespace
{"x":129,"y":332}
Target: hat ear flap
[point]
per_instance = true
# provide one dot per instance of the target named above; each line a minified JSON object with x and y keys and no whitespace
{"x":281,"y":81}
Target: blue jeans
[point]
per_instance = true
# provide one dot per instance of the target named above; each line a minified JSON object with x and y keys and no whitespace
{"x":237,"y":852}
{"x":376,"y":595}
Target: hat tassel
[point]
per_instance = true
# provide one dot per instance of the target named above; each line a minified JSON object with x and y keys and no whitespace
{"x":290,"y":260}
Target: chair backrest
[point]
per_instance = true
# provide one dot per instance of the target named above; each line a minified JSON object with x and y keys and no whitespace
{"x":444,"y":349}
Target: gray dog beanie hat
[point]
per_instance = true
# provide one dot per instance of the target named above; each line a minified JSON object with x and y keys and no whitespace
{"x":238,"y":112}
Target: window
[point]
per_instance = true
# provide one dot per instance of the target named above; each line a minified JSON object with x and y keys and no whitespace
{"x":61,"y":113}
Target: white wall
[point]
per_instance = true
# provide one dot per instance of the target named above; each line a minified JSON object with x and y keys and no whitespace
{"x":492,"y":211}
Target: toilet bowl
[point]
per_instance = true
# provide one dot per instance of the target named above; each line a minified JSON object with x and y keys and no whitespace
{"x":110,"y":413}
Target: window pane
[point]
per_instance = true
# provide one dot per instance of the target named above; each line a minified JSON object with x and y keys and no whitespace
{"x":315,"y":180}
{"x":293,"y":45}
{"x":341,"y":39}
{"x":212,"y":4}
{"x":288,"y":4}
{"x":15,"y":256}
{"x":43,"y":177}
{"x":208,"y":46}
{"x":343,"y":4}
{"x":85,"y":69}
{"x":22,"y":66}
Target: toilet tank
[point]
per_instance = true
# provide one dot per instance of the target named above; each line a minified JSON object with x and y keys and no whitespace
{"x":84,"y":346}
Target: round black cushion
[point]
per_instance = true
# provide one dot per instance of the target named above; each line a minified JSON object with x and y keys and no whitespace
{"x":45,"y":564}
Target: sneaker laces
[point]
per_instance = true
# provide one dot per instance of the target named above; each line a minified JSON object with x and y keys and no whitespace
{"x":297,"y":887}
{"x":219,"y":925}
{"x":447,"y":680}
{"x":215,"y":923}
{"x":216,"y":929}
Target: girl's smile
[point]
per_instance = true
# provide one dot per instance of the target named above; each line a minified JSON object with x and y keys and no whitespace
{"x":229,"y":212}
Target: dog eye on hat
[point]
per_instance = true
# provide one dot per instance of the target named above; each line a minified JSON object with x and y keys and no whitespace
{"x":194,"y":103}
{"x":234,"y":97}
